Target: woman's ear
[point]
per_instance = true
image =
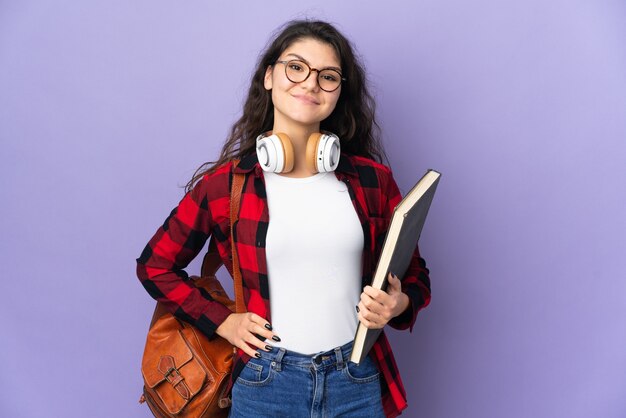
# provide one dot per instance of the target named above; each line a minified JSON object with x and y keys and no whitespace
{"x":267,"y":80}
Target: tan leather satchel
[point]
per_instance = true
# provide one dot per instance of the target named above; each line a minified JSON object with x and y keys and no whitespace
{"x":185,"y":374}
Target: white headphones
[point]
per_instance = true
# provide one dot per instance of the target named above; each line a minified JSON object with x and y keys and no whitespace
{"x":275,"y":152}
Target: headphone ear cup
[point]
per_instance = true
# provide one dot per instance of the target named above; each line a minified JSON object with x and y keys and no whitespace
{"x":275,"y":153}
{"x":322,"y":152}
{"x":311,"y":152}
{"x":287,"y":147}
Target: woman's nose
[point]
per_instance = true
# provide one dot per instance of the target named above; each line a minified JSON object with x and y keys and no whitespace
{"x":312,"y":82}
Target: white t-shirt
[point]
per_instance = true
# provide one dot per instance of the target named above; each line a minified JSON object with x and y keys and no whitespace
{"x":314,"y":250}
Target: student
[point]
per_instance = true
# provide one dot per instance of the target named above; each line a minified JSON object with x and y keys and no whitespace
{"x":311,"y":224}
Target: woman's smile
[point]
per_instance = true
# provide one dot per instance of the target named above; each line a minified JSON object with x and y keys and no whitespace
{"x":306,"y":99}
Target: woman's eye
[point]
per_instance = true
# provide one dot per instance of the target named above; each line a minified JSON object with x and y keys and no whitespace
{"x":329,"y":77}
{"x":296,"y":67}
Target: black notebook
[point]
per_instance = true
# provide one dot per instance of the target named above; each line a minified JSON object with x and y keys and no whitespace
{"x":399,"y":245}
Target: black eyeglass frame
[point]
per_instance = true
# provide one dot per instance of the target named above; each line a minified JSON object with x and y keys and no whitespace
{"x":311,"y":69}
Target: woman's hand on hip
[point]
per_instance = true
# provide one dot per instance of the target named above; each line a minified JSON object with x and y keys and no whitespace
{"x":377,"y":307}
{"x":247,"y":331}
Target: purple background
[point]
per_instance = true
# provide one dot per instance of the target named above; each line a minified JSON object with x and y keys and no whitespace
{"x":107,"y":107}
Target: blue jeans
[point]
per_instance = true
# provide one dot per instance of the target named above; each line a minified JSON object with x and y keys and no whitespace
{"x":284,"y":383}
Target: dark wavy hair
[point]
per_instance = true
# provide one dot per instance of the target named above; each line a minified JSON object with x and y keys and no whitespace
{"x":352,"y":120}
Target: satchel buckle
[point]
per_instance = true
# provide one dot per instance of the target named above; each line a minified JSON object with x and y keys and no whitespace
{"x":170,"y":372}
{"x":173,"y":376}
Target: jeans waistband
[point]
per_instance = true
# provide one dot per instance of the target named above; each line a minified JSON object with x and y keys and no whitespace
{"x":337,"y":357}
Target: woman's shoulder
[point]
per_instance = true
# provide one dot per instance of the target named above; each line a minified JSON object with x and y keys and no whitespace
{"x":219,"y":172}
{"x":212,"y":192}
{"x":360,"y":161}
{"x":214,"y":184}
{"x":371,"y":172}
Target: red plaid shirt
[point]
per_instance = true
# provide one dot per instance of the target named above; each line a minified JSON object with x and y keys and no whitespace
{"x":204,"y":211}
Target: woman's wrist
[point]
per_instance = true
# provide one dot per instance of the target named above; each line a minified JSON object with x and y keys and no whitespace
{"x":403,"y":305}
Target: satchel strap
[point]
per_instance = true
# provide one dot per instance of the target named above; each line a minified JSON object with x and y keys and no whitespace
{"x":212,"y":260}
{"x":235,"y":202}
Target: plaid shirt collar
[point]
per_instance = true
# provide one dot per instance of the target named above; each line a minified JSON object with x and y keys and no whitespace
{"x":251,"y":162}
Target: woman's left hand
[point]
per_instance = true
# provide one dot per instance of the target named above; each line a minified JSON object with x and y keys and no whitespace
{"x":377,"y":307}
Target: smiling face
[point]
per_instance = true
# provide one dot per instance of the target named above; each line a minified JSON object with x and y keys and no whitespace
{"x":302,"y":105}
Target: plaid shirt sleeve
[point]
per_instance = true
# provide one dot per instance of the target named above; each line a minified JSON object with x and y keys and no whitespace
{"x":177,"y":242}
{"x":416,"y":282}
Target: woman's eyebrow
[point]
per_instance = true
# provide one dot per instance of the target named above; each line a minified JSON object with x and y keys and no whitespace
{"x":302,"y":59}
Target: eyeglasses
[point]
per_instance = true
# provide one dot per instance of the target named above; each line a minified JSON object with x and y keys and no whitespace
{"x":297,"y":71}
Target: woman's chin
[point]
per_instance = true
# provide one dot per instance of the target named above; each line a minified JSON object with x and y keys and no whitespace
{"x":303,"y":119}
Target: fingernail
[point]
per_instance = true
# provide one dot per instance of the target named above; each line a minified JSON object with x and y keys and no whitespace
{"x":257,"y":355}
{"x":357,"y":309}
{"x":268,"y":347}
{"x":268,"y":326}
{"x":276,"y":338}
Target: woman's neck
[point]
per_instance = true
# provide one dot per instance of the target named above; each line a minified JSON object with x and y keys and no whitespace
{"x":299,"y":136}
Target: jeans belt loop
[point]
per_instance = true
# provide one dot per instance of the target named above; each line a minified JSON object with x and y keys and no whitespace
{"x":339,"y":356}
{"x":279,"y":359}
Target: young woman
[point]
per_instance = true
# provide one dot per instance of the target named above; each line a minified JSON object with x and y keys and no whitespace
{"x":315,"y":207}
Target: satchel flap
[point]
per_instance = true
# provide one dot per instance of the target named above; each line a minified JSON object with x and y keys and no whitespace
{"x":172,"y":372}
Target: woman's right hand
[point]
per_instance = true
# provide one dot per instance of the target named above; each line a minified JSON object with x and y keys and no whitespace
{"x":243,"y":331}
